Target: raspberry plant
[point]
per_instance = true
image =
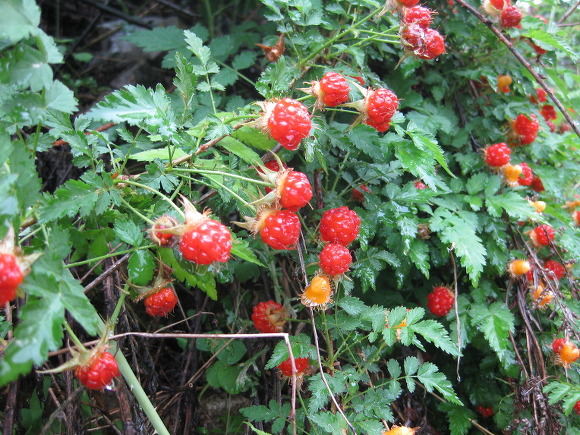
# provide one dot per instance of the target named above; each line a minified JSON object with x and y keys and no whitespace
{"x":313,"y":172}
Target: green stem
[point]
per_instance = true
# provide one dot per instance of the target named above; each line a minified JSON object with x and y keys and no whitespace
{"x":74,"y":338}
{"x":119,"y":305}
{"x":227,"y":189}
{"x":113,"y":254}
{"x":224,"y":174}
{"x":150,"y":189}
{"x":134,"y":210}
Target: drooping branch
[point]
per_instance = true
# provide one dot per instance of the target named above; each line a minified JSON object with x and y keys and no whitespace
{"x":485,"y":20}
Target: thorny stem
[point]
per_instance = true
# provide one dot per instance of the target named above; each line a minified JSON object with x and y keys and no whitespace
{"x":523,"y":61}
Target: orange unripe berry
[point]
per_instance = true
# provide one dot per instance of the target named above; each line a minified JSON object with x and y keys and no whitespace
{"x":503,"y":83}
{"x":540,"y":206}
{"x":511,"y":174}
{"x":569,"y":353}
{"x":519,"y":267}
{"x":318,"y":293}
{"x":541,"y":296}
{"x":401,"y":430}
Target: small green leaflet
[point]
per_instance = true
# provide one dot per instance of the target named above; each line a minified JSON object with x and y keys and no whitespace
{"x":459,"y":418}
{"x":513,"y":204}
{"x":242,"y":151}
{"x":19,"y":18}
{"x":427,"y":145}
{"x":432,"y":379}
{"x":496,"y":321}
{"x":257,"y":431}
{"x":459,"y":230}
{"x":158,"y":154}
{"x":569,"y":394}
{"x":241,"y":249}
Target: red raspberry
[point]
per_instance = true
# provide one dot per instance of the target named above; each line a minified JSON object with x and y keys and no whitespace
{"x":269,"y":317}
{"x":540,"y":97}
{"x":98,"y":372}
{"x":206,"y":242}
{"x":497,"y":155}
{"x":408,"y":3}
{"x":548,"y":112}
{"x":419,"y":185}
{"x":334,"y":89}
{"x":162,"y":223}
{"x":576,"y":216}
{"x":537,"y":184}
{"x":542,"y":235}
{"x":289,"y":123}
{"x":577,"y":407}
{"x":440,"y":301}
{"x":358,"y":193}
{"x":339,"y":225}
{"x":433,"y":45}
{"x":524,"y":125}
{"x":279,"y":229}
{"x":334,"y":259}
{"x":300,"y":363}
{"x":526,"y":177}
{"x":499,"y":4}
{"x":511,"y":16}
{"x":413,"y":35}
{"x":294,"y":190}
{"x":551,"y":126}
{"x":485,"y":412}
{"x":557,"y":344}
{"x":418,"y":15}
{"x":162,"y":303}
{"x":10,"y":278}
{"x":555,"y":269}
{"x":380,"y":106}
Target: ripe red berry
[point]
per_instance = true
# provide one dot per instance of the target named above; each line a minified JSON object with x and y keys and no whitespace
{"x":294,"y":190}
{"x":379,"y":107}
{"x":418,"y":15}
{"x":408,"y":3}
{"x":542,"y":235}
{"x":440,"y":301}
{"x":548,"y":112}
{"x":433,"y":45}
{"x":577,"y":407}
{"x":555,"y":269}
{"x":499,"y":4}
{"x":557,"y":344}
{"x":526,"y":177}
{"x":334,"y":259}
{"x":206,"y":242}
{"x":273,"y":166}
{"x":269,"y":317}
{"x":279,"y":229}
{"x":289,"y":122}
{"x":576,"y":216}
{"x":537,"y":184}
{"x":358,"y":193}
{"x":485,"y":412}
{"x":511,"y":16}
{"x":301,"y":365}
{"x":11,"y":277}
{"x":334,"y":89}
{"x":162,"y":303}
{"x":419,"y":185}
{"x":339,"y":225}
{"x":497,"y":155}
{"x":540,"y":96}
{"x":526,"y":128}
{"x":98,"y":372}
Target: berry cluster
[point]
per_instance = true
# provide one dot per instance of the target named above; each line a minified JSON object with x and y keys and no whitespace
{"x":508,"y":14}
{"x":416,"y":35}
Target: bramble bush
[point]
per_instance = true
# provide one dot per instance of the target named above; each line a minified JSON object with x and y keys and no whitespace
{"x":320,"y":172}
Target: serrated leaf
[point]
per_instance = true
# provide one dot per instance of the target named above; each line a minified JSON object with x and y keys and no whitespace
{"x":158,"y":154}
{"x":435,"y":333}
{"x":141,"y":267}
{"x":432,"y":379}
{"x":459,"y":418}
{"x":428,"y":145}
{"x":540,"y":35}
{"x":205,"y":282}
{"x":394,"y":368}
{"x":203,"y":53}
{"x":244,"y":60}
{"x":58,"y":97}
{"x":242,"y":151}
{"x":185,"y":80}
{"x":257,"y":431}
{"x":353,"y":306}
{"x":365,"y":138}
{"x":301,"y":347}
{"x":74,"y":197}
{"x":513,"y":204}
{"x":496,"y":321}
{"x":39,"y":331}
{"x":241,"y":249}
{"x":128,"y":232}
{"x":411,"y":365}
{"x":19,"y":18}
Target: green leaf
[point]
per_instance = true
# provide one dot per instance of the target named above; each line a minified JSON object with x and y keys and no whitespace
{"x":459,"y":418}
{"x":301,"y":347}
{"x":74,"y":197}
{"x":141,"y":267}
{"x":58,"y":97}
{"x":432,"y":379}
{"x":428,"y":145}
{"x":195,"y":45}
{"x":496,"y":321}
{"x":353,"y":306}
{"x":158,"y":154}
{"x":241,"y":249}
{"x":19,"y":18}
{"x":185,"y":80}
{"x":39,"y":331}
{"x":513,"y":204}
{"x":435,"y":333}
{"x":459,"y":230}
{"x":128,"y":232}
{"x":540,"y":35}
{"x":277,"y":78}
{"x":257,"y":431}
{"x":242,"y":151}
{"x":158,"y":39}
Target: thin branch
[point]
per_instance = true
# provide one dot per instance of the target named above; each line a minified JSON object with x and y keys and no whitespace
{"x":457,"y":320}
{"x":522,"y":60}
{"x":568,"y":13}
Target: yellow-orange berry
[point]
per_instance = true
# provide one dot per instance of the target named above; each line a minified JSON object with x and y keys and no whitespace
{"x":540,"y":206}
{"x":569,"y":353}
{"x":503,"y":83}
{"x":400,"y":430}
{"x":512,"y":174}
{"x":318,"y":293}
{"x":519,"y":267}
{"x":541,"y":295}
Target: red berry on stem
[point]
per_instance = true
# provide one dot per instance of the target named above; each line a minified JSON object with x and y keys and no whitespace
{"x":555,"y":269}
{"x":497,"y":155}
{"x":294,"y":190}
{"x":418,"y":15}
{"x":433,"y":45}
{"x":98,"y":372}
{"x":279,"y":229}
{"x":289,"y":123}
{"x":339,"y":225}
{"x":540,"y":96}
{"x":440,"y":301}
{"x":334,"y":89}
{"x":162,"y":303}
{"x":511,"y":16}
{"x":10,"y":278}
{"x":206,"y":242}
{"x":334,"y":259}
{"x":548,"y":112}
{"x":542,"y":235}
{"x":380,"y":106}
{"x":526,"y":177}
{"x":408,"y":3}
{"x":577,"y":407}
{"x":419,"y":185}
{"x":537,"y":184}
{"x":557,"y":344}
{"x":301,"y":365}
{"x":526,"y":128}
{"x":358,"y":193}
{"x":269,"y":317}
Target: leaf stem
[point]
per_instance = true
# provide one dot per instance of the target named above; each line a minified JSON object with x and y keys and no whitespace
{"x":114,"y":254}
{"x":74,"y":337}
{"x":156,"y":192}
